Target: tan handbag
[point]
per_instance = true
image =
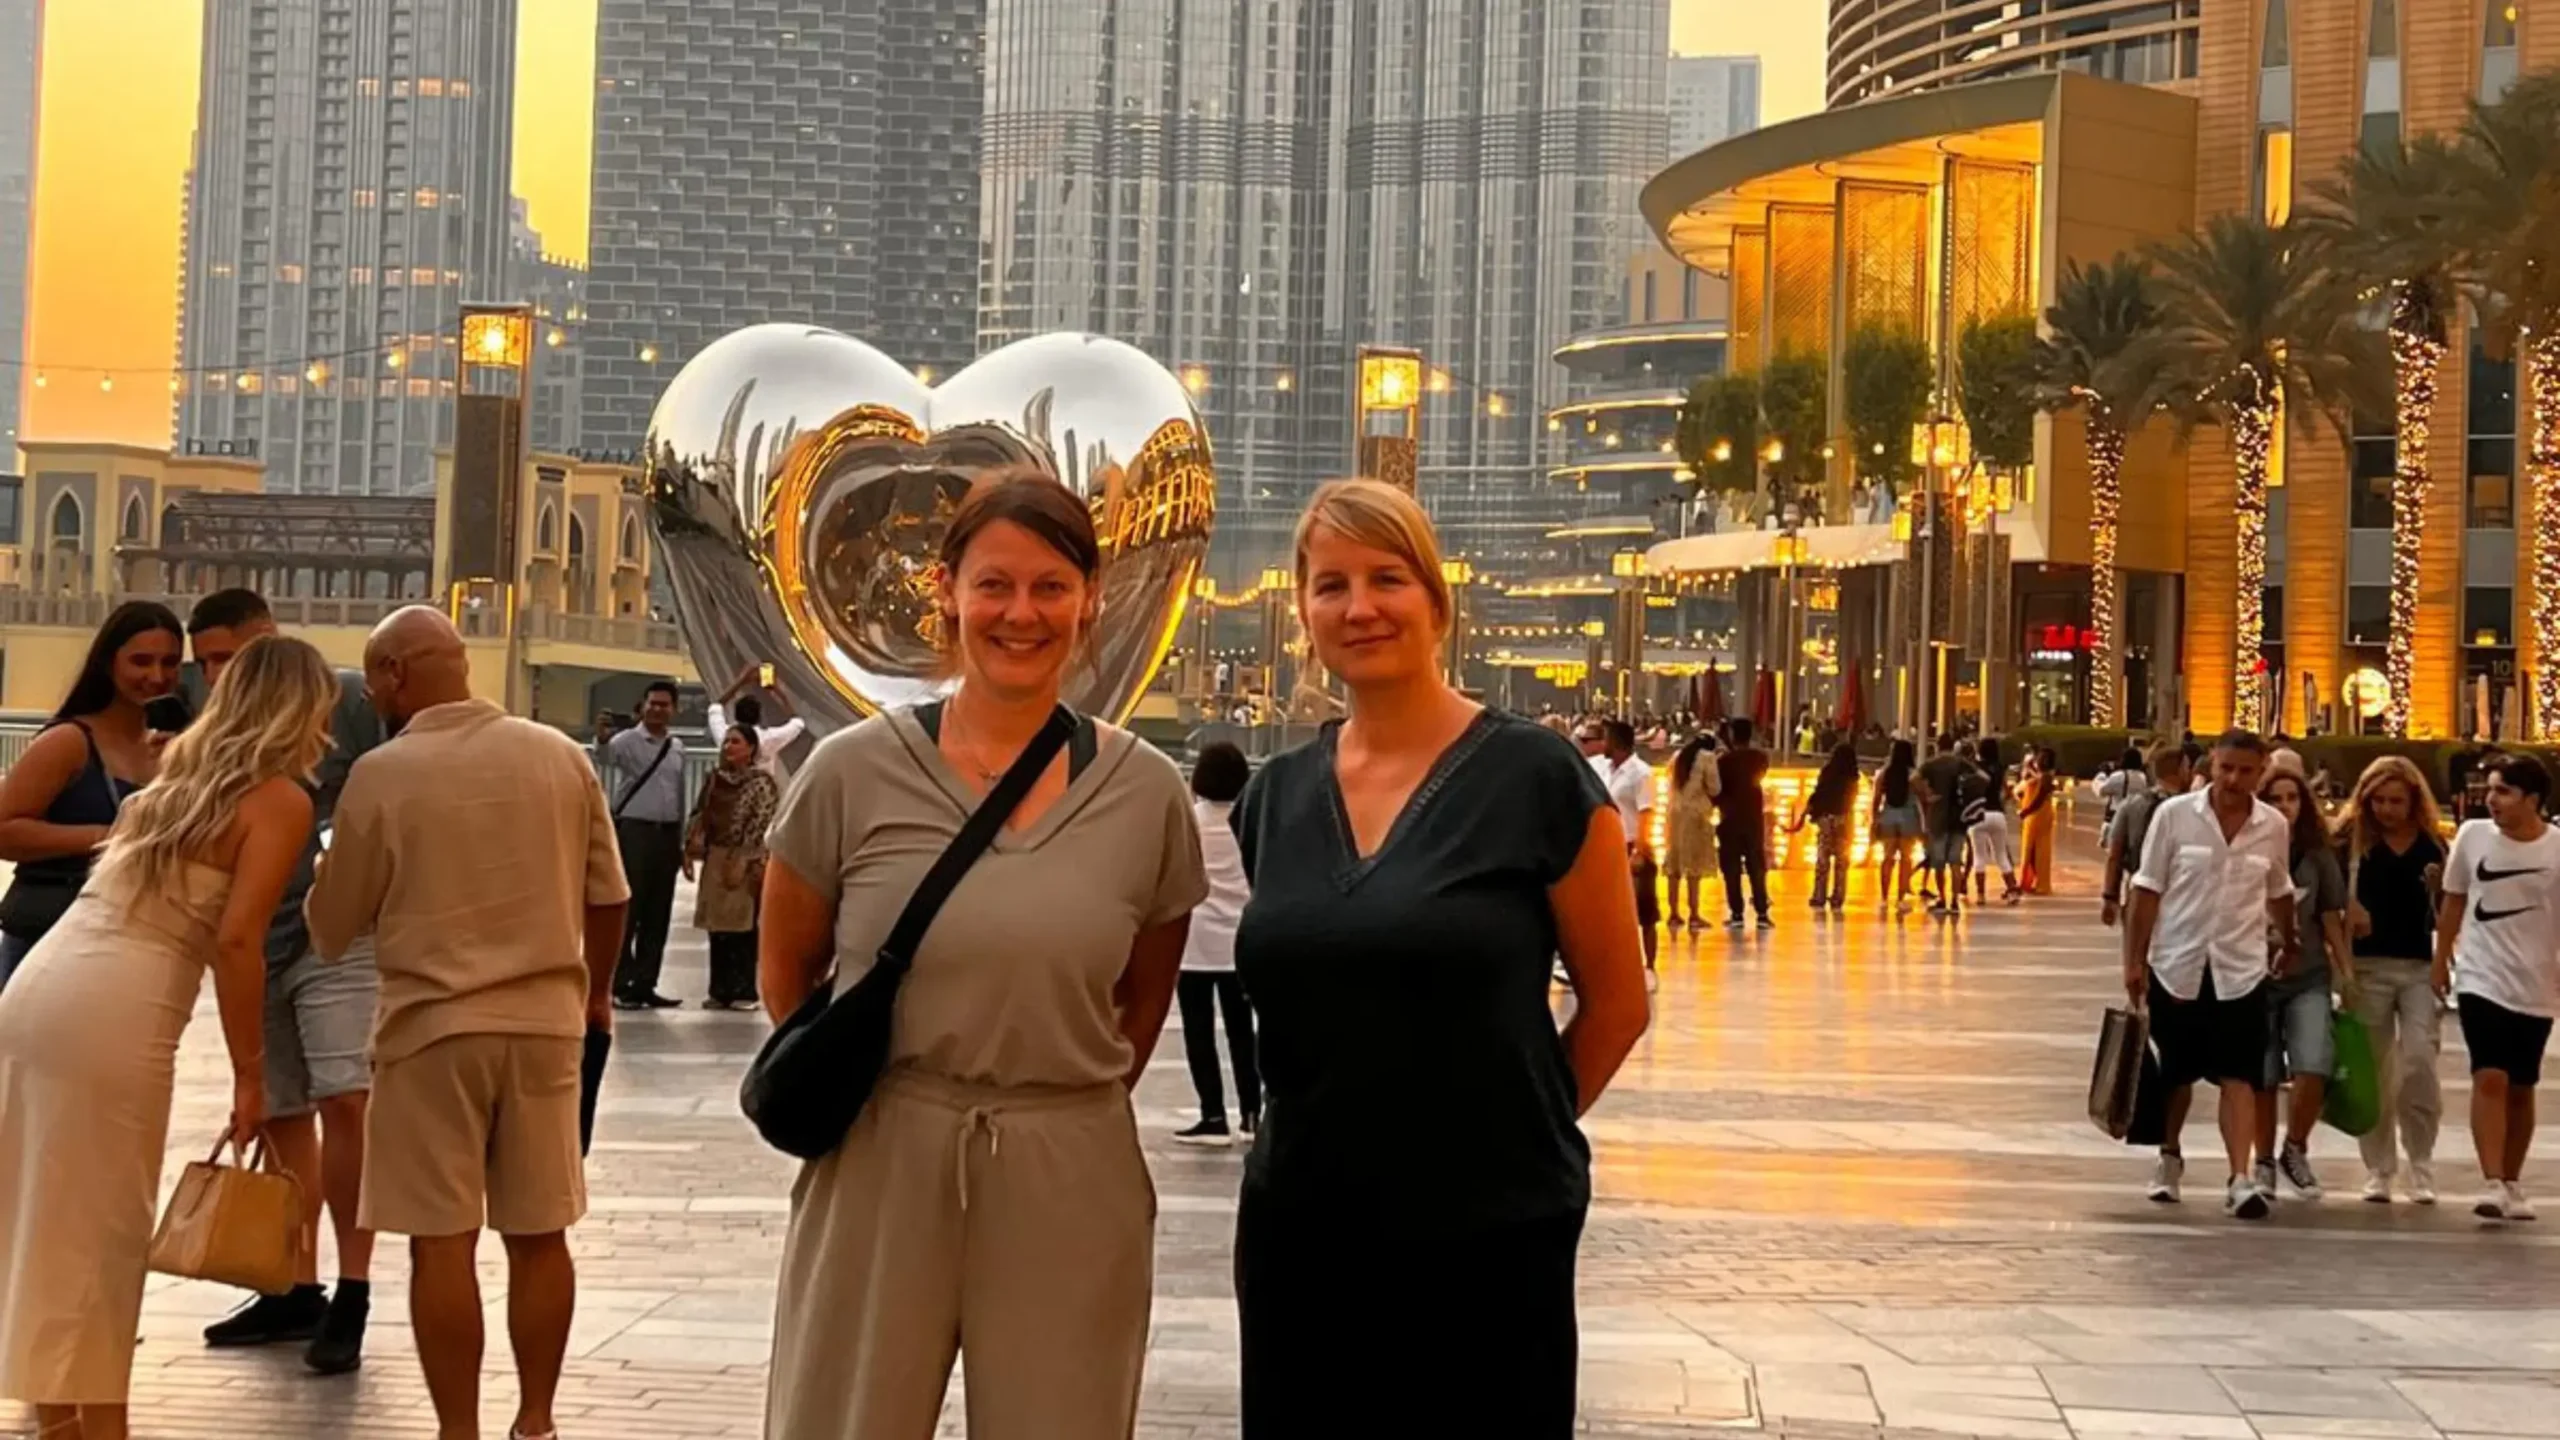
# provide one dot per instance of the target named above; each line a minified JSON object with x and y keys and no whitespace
{"x":238,"y":1224}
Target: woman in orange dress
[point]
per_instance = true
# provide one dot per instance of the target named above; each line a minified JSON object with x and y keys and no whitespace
{"x":2036,"y":794}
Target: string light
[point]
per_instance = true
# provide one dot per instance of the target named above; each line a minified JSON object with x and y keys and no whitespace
{"x":2414,"y":357}
{"x":2106,"y":491}
{"x":2253,"y":417}
{"x":2542,"y":471}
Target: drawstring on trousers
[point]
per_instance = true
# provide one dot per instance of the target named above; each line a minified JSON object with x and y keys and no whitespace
{"x":978,"y":1118}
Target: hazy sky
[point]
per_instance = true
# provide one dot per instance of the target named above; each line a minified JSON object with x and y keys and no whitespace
{"x":119,"y":114}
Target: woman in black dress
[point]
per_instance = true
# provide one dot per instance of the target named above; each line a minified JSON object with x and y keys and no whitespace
{"x":1406,"y":1241}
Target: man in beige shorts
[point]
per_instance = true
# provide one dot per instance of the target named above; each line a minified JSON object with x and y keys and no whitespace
{"x":475,"y":848}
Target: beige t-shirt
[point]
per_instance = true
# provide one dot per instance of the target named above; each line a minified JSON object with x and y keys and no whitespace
{"x":470,"y":845}
{"x":1012,"y":984}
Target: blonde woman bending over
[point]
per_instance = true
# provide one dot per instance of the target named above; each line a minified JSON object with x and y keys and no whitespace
{"x":188,"y":880}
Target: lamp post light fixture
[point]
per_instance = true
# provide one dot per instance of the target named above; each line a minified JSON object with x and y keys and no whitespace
{"x":1386,"y":426}
{"x":1938,"y":444}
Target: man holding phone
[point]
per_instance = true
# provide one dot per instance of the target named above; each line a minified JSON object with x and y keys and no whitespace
{"x":319,"y":1026}
{"x":736,"y":704}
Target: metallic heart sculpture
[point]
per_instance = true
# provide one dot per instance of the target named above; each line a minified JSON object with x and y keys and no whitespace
{"x":800,"y":483}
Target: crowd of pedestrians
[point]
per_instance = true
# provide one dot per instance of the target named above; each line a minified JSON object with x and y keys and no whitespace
{"x":2253,"y":918}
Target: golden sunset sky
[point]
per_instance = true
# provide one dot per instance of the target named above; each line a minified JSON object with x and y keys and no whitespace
{"x":119,"y":117}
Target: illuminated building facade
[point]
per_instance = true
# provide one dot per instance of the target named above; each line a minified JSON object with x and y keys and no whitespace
{"x":1251,"y":193}
{"x":349,"y":190}
{"x":1955,"y":177}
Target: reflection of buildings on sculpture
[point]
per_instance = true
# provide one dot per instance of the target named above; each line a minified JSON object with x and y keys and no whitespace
{"x":1959,"y":178}
{"x":91,"y":525}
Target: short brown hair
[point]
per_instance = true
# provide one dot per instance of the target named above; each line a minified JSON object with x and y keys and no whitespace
{"x":1039,"y":504}
{"x":1382,"y":517}
{"x":2165,"y":753}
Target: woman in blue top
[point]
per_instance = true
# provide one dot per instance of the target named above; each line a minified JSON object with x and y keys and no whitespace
{"x":1415,"y":872}
{"x":58,"y":800}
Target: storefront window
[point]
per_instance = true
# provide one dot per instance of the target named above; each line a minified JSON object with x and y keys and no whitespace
{"x":2488,"y":615}
{"x":2368,"y":614}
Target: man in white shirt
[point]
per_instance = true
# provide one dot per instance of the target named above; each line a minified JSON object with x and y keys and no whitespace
{"x":1629,"y":781}
{"x":771,"y":740}
{"x":2216,"y":873}
{"x":2498,"y":957}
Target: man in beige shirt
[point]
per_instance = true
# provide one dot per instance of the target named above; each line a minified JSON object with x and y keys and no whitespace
{"x":475,"y":848}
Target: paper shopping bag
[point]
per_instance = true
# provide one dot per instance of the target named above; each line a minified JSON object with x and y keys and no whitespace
{"x":238,"y":1224}
{"x":2115,"y":1080}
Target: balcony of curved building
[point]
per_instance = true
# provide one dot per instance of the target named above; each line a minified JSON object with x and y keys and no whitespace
{"x":1634,"y":359}
{"x":1881,"y":48}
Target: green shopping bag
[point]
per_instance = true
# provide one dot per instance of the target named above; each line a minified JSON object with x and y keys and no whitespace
{"x":2354,"y":1102}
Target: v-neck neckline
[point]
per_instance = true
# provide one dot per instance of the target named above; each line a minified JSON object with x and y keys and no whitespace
{"x":1352,"y":867}
{"x":927,"y":752}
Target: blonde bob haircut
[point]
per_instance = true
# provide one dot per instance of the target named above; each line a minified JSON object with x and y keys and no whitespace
{"x":1384,"y":518}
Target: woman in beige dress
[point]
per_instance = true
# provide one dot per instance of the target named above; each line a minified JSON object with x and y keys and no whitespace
{"x":991,"y":1201}
{"x":89,"y":1028}
{"x":1692,"y":858}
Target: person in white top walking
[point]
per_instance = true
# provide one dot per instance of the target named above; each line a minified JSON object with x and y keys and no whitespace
{"x":2498,"y":958}
{"x":1629,"y":781}
{"x":2215,"y":876}
{"x":1209,"y":981}
{"x":735,"y":704}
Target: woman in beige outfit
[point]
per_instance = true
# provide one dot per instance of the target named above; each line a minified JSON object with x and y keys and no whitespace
{"x":991,"y":1201}
{"x":190,"y":876}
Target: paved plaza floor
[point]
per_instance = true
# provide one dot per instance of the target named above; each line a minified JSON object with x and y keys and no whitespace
{"x":1846,"y":1189}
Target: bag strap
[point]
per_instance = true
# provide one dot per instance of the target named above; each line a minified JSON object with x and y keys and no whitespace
{"x":633,"y":791}
{"x":897,"y":953}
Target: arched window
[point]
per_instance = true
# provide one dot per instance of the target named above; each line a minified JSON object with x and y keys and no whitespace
{"x":66,"y":519}
{"x":577,"y":540}
{"x":631,"y":538}
{"x":132,"y":528}
{"x":170,"y":528}
{"x":546,"y":530}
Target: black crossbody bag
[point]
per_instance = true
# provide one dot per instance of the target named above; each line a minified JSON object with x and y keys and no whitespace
{"x":815,"y":1072}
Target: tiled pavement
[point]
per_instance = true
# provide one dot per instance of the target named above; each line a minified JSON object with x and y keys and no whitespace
{"x":1846,"y":1191}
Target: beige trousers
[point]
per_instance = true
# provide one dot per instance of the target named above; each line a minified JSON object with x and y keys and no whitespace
{"x":1014,"y":1228}
{"x":2399,"y":1008}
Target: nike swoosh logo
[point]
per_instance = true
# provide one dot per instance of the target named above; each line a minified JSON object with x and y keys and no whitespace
{"x":2486,"y":874}
{"x":2484,"y":913}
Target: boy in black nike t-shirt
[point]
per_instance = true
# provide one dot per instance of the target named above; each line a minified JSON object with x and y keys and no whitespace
{"x":2498,"y":956}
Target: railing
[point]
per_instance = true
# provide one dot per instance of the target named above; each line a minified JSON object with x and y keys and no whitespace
{"x":88,"y":611}
{"x":19,"y":727}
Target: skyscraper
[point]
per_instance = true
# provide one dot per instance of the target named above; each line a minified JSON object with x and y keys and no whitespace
{"x":1713,"y":97}
{"x":804,"y":161}
{"x":557,"y":290}
{"x":1249,"y":192}
{"x":349,"y":191}
{"x":21,"y":68}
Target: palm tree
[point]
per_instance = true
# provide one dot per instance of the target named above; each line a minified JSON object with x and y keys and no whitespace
{"x":2506,"y":188}
{"x":2387,"y":223}
{"x":2088,"y":360}
{"x":2255,"y":327}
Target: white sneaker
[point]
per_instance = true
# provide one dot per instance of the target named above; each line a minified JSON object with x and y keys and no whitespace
{"x":2492,"y":1204}
{"x":2165,"y":1175}
{"x":2377,"y":1188}
{"x":2243,"y":1200}
{"x":2422,"y":1182}
{"x":2263,"y":1175}
{"x":2518,"y":1207}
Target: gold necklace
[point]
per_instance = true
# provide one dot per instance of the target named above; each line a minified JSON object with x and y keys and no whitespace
{"x":969,"y":754}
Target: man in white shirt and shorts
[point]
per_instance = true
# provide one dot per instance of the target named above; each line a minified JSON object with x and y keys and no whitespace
{"x":2498,"y":959}
{"x":2216,"y":874}
{"x":1629,"y":781}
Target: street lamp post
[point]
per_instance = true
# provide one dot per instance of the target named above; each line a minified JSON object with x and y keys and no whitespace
{"x":1791,"y":551}
{"x":1627,"y":568}
{"x":1459,"y":574}
{"x":1938,"y":444}
{"x":1204,"y":594}
{"x":1278,"y":584}
{"x":1593,"y":634}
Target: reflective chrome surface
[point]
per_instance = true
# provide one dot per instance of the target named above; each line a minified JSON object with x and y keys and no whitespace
{"x":800,"y":482}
